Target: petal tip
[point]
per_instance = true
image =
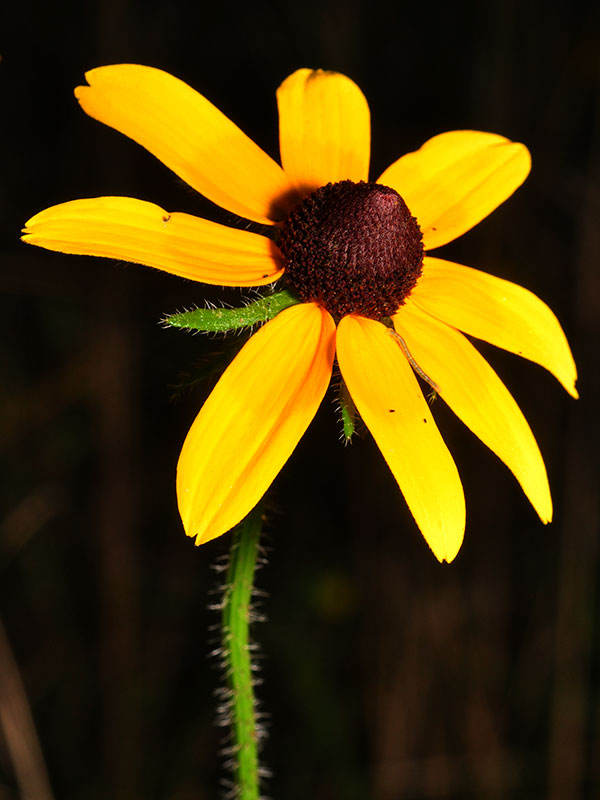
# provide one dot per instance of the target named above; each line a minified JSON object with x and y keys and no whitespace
{"x":449,"y":554}
{"x":27,"y":227}
{"x":84,"y":88}
{"x":524,"y":150}
{"x":193,"y":532}
{"x":444,"y":556}
{"x":446,"y":544}
{"x":543,"y":506}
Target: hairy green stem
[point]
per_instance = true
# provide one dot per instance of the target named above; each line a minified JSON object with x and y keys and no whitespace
{"x":236,"y":612}
{"x":221,"y":320}
{"x":348,"y":412}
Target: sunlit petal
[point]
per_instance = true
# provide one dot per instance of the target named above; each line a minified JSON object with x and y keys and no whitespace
{"x":253,"y":419}
{"x":389,"y":399}
{"x":134,"y":230}
{"x":324,"y":129}
{"x":477,"y":395}
{"x":497,"y":311}
{"x":189,"y":135}
{"x":456,"y":179}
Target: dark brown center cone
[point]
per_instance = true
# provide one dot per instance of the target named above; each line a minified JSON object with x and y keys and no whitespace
{"x":354,"y":248}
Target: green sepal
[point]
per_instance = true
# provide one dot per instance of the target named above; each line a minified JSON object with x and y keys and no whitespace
{"x":348,"y":412}
{"x":221,"y":320}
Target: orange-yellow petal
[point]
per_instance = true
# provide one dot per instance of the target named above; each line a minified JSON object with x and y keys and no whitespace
{"x":497,"y":311}
{"x":253,"y":419}
{"x":189,"y":135}
{"x":389,"y":399}
{"x":324,"y":129}
{"x":478,"y":397}
{"x":134,"y":230}
{"x":456,"y":179}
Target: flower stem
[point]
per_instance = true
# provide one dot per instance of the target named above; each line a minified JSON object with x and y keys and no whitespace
{"x":236,"y":615}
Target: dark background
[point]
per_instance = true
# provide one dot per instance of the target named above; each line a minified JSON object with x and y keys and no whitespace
{"x":387,"y":675}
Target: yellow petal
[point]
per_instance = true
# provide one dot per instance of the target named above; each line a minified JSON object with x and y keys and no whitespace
{"x":456,"y":179}
{"x":189,"y":135}
{"x":324,"y":129}
{"x":497,"y":311}
{"x":389,"y":399}
{"x":253,"y":419}
{"x":478,"y":397}
{"x":134,"y":230}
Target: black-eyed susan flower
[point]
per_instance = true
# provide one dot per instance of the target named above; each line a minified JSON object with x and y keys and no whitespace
{"x":353,"y":254}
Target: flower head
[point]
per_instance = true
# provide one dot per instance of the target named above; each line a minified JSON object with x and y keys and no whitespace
{"x":354,"y":254}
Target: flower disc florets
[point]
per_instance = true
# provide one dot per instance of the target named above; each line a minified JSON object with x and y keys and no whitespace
{"x":354,"y":248}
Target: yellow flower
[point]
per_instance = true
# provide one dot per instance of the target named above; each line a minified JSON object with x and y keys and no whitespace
{"x":353,"y":253}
